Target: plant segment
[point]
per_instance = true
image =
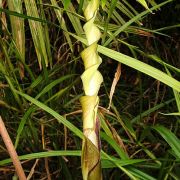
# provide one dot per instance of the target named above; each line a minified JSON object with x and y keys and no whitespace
{"x":92,"y":79}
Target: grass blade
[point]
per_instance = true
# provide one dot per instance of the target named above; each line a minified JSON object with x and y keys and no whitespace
{"x":134,"y":19}
{"x":17,"y":27}
{"x":62,"y":22}
{"x":140,"y":66}
{"x":42,"y":155}
{"x":60,"y":118}
{"x":170,"y":138}
{"x":37,"y":33}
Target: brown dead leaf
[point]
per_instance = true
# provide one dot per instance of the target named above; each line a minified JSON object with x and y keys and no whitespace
{"x":115,"y":81}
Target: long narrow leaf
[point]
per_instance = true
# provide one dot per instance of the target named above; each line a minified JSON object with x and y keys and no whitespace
{"x":17,"y":26}
{"x":60,"y":118}
{"x":134,"y":19}
{"x":141,"y":66}
{"x":170,"y":138}
{"x":37,"y":33}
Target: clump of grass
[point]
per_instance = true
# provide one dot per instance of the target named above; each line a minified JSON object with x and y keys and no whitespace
{"x":40,"y":88}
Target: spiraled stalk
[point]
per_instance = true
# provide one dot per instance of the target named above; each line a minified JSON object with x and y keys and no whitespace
{"x":92,"y":79}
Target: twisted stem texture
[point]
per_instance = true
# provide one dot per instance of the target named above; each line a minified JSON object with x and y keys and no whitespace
{"x":92,"y":79}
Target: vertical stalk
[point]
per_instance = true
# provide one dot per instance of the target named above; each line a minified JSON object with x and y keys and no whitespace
{"x":92,"y":79}
{"x":11,"y":150}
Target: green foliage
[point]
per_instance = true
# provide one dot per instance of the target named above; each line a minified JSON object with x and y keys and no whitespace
{"x":143,"y":2}
{"x":40,"y":87}
{"x":171,"y":139}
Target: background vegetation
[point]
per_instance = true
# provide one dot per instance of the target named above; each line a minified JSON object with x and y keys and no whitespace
{"x":40,"y":87}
